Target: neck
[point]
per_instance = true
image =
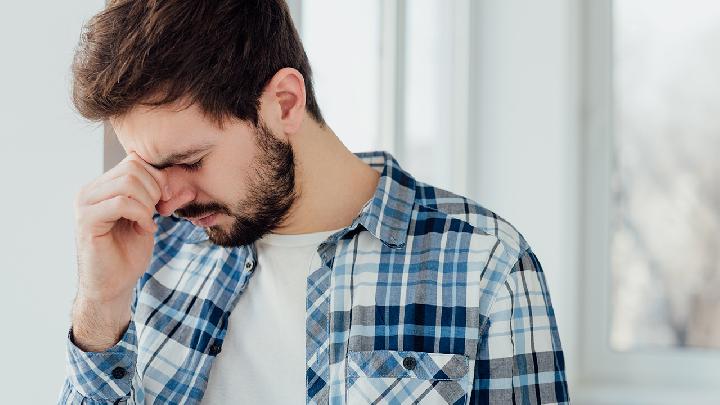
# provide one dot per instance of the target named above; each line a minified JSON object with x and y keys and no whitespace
{"x":333,"y":184}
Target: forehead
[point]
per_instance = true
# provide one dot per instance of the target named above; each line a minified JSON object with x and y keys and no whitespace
{"x":155,"y":130}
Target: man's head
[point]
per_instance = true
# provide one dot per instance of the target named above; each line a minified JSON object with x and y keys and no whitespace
{"x":224,"y":83}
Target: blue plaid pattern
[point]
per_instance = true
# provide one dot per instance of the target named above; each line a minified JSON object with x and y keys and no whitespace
{"x":427,"y":297}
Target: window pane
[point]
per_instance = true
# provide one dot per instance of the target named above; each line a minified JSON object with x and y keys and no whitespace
{"x":666,"y":230}
{"x":428,"y":91}
{"x":342,"y":41}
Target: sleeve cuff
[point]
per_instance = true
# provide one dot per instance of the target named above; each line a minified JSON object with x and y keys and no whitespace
{"x":103,"y":375}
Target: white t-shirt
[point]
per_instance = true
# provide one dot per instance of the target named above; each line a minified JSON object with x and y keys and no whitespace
{"x":263,"y":355}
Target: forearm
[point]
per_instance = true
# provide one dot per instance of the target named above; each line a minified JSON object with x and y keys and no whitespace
{"x":98,"y":326}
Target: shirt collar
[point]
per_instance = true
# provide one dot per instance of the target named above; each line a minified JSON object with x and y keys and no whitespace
{"x":386,"y":215}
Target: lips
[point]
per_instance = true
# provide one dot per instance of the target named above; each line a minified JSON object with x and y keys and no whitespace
{"x":201,"y":221}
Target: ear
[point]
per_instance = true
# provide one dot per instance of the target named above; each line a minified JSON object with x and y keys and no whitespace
{"x":284,"y":98}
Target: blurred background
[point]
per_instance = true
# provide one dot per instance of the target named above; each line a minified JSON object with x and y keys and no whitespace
{"x":604,"y":113}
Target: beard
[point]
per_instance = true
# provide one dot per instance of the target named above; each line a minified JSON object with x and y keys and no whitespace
{"x":271,"y":193}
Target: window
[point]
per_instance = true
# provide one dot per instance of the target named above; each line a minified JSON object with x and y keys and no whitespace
{"x":666,"y":195}
{"x":649,"y":218}
{"x":342,"y":41}
{"x":428,"y":87}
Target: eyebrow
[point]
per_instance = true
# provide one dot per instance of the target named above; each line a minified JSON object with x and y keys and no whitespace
{"x":178,"y":157}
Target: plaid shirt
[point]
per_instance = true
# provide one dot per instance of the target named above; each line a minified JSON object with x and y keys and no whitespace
{"x":426,"y":297}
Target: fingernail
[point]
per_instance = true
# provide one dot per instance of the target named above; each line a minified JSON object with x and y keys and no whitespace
{"x":166,"y":189}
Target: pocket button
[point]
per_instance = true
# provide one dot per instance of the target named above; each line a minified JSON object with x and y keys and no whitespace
{"x":409,"y":363}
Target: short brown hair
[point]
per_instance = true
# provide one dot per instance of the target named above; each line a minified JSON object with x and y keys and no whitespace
{"x":219,"y":54}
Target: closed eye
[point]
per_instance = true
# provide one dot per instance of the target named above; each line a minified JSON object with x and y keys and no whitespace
{"x":192,"y":167}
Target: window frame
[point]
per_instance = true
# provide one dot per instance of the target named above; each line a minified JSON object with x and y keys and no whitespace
{"x":658,"y":376}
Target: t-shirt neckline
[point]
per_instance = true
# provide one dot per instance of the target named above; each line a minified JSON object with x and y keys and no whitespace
{"x":296,"y":240}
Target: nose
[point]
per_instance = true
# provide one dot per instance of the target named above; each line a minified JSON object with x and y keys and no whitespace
{"x":181,"y":194}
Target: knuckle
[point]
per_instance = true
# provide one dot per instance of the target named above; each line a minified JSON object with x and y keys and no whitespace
{"x":119,"y":202}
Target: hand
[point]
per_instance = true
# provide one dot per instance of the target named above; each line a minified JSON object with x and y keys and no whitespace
{"x":115,"y":229}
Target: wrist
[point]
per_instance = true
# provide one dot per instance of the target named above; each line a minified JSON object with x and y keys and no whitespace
{"x":97,"y":328}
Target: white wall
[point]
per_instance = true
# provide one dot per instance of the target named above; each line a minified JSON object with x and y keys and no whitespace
{"x":46,"y":154}
{"x":527,"y":168}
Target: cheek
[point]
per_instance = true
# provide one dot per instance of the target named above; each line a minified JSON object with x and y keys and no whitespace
{"x":225,"y":176}
{"x":226,"y":185}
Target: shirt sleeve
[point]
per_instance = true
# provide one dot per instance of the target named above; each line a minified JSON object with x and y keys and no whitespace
{"x":520,"y":359}
{"x":105,"y":377}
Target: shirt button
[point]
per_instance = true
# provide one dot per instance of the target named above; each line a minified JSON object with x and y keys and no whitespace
{"x":409,"y":363}
{"x":118,"y":373}
{"x":249,"y":265}
{"x":215,"y":349}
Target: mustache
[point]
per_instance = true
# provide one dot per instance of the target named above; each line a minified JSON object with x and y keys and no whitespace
{"x":198,"y":210}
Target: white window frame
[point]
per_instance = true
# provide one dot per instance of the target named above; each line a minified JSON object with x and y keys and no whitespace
{"x":652,"y":376}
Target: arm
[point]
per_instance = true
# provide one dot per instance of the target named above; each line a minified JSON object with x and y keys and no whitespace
{"x":116,"y":218}
{"x":97,"y":376}
{"x":520,"y":359}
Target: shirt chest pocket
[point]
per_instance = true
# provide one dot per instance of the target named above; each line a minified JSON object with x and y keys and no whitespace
{"x":407,"y":377}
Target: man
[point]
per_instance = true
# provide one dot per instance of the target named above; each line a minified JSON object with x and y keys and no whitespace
{"x":241,"y":254}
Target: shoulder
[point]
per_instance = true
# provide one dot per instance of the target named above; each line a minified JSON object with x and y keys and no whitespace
{"x":464,"y":215}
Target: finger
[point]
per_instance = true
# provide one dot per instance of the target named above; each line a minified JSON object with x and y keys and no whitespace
{"x":135,"y":168}
{"x":129,"y":185}
{"x":159,"y":176}
{"x":130,"y":165}
{"x":154,"y":179}
{"x":101,"y":217}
